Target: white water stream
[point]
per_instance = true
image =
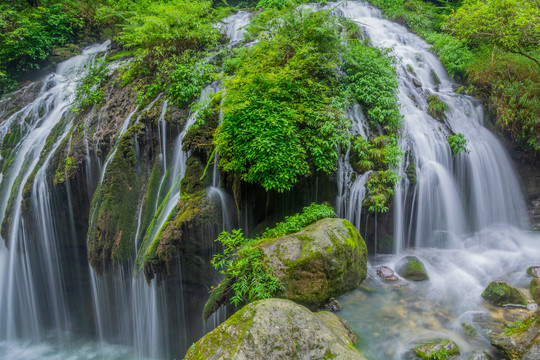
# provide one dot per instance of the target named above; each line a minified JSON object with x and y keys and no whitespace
{"x":465,"y":217}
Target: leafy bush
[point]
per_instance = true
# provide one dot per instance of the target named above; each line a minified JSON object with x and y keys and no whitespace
{"x":372,"y":79}
{"x":458,"y":143}
{"x":282,"y":113}
{"x":249,"y":267}
{"x":379,"y":155}
{"x":295,"y":223}
{"x":512,"y":84}
{"x":90,"y":91}
{"x":29,"y":34}
{"x":247,"y":264}
{"x":452,"y":52}
{"x":436,"y":107}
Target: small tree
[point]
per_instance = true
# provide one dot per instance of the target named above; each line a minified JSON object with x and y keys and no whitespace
{"x":512,"y":25}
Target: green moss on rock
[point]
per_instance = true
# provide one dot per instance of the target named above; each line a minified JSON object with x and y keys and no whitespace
{"x":500,"y":293}
{"x":113,"y":214}
{"x":326,"y":259}
{"x":275,"y":329}
{"x":180,"y":234}
{"x":411,"y":268}
{"x":535,"y":289}
{"x":437,"y":350}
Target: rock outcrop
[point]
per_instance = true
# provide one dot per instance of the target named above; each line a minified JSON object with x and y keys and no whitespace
{"x":274,"y":329}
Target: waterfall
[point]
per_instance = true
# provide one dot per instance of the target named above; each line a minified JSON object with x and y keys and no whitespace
{"x":33,"y":298}
{"x":453,"y":196}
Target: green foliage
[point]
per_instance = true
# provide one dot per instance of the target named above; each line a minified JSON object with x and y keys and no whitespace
{"x":282,"y":113}
{"x":452,"y":52}
{"x":248,"y":265}
{"x":181,"y":77}
{"x":243,"y":261}
{"x":371,"y":78}
{"x":167,"y":40}
{"x":458,"y":143}
{"x":436,"y":107}
{"x":90,"y":88}
{"x":295,"y":223}
{"x":380,"y":187}
{"x":28,"y":34}
{"x":518,"y":326}
{"x":66,"y":171}
{"x":379,"y":155}
{"x":513,"y":25}
{"x":512,"y":84}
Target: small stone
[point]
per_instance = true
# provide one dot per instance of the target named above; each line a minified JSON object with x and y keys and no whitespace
{"x":411,"y":268}
{"x":500,"y":293}
{"x":534,"y":271}
{"x":437,"y":350}
{"x":333,"y":305}
{"x":417,"y":83}
{"x":386,"y":273}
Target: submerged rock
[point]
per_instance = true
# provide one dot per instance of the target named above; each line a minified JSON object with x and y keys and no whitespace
{"x":411,"y":268}
{"x":520,"y":340}
{"x":275,"y":329}
{"x":326,"y":259}
{"x":534,"y":287}
{"x":480,"y":356}
{"x":437,"y":350}
{"x":333,"y":305}
{"x":534,"y":271}
{"x":500,"y":293}
{"x":386,"y":273}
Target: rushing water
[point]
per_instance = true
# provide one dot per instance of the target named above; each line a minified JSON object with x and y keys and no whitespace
{"x":464,"y":217}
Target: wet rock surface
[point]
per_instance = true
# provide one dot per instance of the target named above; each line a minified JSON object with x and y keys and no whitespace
{"x":386,"y":273}
{"x":437,"y":350}
{"x":534,"y":271}
{"x":520,"y":340}
{"x":411,"y":268}
{"x":500,"y":293}
{"x":277,"y":329}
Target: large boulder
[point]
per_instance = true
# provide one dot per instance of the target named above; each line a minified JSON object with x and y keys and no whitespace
{"x":500,"y":293}
{"x":275,"y":329}
{"x":520,"y":340}
{"x":326,"y":259}
{"x":411,"y":268}
{"x":437,"y":350}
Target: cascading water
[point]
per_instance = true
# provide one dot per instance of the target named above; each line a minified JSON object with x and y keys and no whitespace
{"x":35,"y":302}
{"x":463,"y":217}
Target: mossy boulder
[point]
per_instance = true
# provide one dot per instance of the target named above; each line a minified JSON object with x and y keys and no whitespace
{"x":500,"y":293}
{"x":275,"y":329}
{"x":437,"y":350}
{"x":520,"y":340}
{"x":411,"y":268}
{"x":534,"y":287}
{"x":326,"y":259}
